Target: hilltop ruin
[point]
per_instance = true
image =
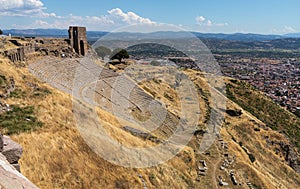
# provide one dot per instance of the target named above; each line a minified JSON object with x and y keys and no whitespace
{"x":78,"y":41}
{"x":17,"y":49}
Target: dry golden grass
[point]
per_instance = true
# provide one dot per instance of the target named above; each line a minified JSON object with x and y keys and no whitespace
{"x":269,"y":170}
{"x":56,"y":156}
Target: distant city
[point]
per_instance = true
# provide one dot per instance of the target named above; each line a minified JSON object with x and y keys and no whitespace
{"x":279,"y":81}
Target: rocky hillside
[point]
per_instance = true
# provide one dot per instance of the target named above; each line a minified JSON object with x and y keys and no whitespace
{"x":253,"y":149}
{"x":10,"y":153}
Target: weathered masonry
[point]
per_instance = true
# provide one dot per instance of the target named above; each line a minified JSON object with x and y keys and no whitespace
{"x":18,"y":49}
{"x":15,"y":55}
{"x":78,"y":41}
{"x":18,"y":54}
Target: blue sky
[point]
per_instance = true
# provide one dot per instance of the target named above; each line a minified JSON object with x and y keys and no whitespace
{"x":216,"y":16}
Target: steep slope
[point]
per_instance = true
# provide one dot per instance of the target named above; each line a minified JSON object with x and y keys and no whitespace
{"x":273,"y":115}
{"x":56,"y":156}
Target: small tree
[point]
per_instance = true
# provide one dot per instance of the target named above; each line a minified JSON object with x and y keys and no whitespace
{"x":102,"y":51}
{"x":119,"y":54}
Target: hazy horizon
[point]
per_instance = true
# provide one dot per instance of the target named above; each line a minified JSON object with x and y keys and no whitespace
{"x":66,"y":29}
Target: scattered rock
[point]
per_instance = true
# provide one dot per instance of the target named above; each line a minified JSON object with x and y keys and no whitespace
{"x":4,"y":107}
{"x":221,"y":182}
{"x":224,"y":145}
{"x":232,"y":177}
{"x":16,"y":166}
{"x":291,"y":156}
{"x":202,"y":169}
{"x":11,"y":150}
{"x":143,"y":181}
{"x":225,"y":164}
{"x":250,"y":185}
{"x":203,"y":163}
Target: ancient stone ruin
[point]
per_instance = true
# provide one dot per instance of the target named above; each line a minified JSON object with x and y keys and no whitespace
{"x":18,"y":53}
{"x":15,"y":54}
{"x":19,"y":49}
{"x":77,"y":37}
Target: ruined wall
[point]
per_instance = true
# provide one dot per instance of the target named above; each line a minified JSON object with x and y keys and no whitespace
{"x":49,"y":46}
{"x":18,"y":53}
{"x":29,"y":48}
{"x":78,"y":40}
{"x":15,"y":55}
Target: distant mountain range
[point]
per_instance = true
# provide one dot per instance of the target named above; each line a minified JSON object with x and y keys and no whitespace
{"x":93,"y":35}
{"x":36,"y":32}
{"x":214,"y":41}
{"x":249,"y":37}
{"x":296,"y":35}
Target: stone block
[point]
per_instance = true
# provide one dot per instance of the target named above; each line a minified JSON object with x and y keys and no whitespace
{"x":11,"y":150}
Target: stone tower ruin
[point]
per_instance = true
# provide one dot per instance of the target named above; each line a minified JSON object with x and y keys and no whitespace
{"x":77,"y":37}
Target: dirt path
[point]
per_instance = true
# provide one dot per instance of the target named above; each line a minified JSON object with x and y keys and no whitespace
{"x":215,"y":166}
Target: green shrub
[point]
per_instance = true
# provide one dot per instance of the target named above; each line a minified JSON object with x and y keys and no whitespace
{"x":152,"y":177}
{"x":262,"y":107}
{"x":18,"y":93}
{"x":18,"y":120}
{"x":41,"y":92}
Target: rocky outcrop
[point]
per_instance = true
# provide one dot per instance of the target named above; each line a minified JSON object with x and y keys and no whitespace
{"x":11,"y":178}
{"x":7,"y":87}
{"x":11,"y":150}
{"x":286,"y":150}
{"x":141,"y":134}
{"x":9,"y":168}
{"x":16,"y":54}
{"x":291,"y":156}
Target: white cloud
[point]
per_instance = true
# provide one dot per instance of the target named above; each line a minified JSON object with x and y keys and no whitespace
{"x":284,"y":30}
{"x":288,"y":29}
{"x":115,"y":18}
{"x":209,"y":23}
{"x":33,"y":8}
{"x":200,"y":19}
{"x":41,"y":24}
{"x":129,"y":17}
{"x":9,"y":5}
{"x":46,"y":15}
